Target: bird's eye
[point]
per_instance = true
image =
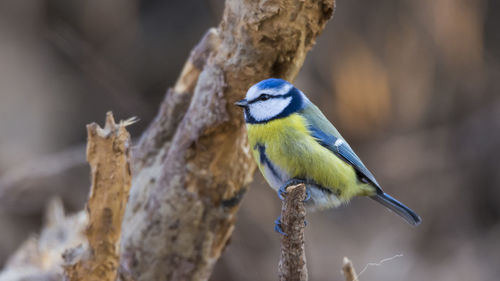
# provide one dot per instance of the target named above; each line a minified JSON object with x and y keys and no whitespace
{"x":264,"y":97}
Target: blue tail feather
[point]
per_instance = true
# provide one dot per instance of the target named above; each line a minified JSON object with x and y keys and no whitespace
{"x":397,"y":207}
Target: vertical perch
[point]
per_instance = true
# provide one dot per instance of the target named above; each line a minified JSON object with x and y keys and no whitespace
{"x":292,"y":265}
{"x":108,"y":156}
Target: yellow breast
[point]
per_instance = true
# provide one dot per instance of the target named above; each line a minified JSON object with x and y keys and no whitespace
{"x":290,"y":146}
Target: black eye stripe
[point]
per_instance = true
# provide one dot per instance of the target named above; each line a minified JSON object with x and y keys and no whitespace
{"x":264,"y":97}
{"x":259,"y":98}
{"x":296,"y":103}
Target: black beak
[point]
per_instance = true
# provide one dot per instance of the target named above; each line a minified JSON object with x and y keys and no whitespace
{"x":242,"y":103}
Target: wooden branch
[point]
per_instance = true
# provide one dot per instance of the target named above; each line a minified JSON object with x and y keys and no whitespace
{"x":108,"y":156}
{"x":157,"y":138}
{"x":292,"y":265}
{"x":193,"y":162}
{"x":348,"y":270}
{"x":39,"y":257}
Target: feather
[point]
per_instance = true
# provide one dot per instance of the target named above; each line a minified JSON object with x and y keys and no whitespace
{"x":397,"y":207}
{"x":326,"y":135}
{"x":324,"y":132}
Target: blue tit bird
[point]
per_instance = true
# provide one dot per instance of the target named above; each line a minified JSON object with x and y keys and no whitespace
{"x":292,"y":141}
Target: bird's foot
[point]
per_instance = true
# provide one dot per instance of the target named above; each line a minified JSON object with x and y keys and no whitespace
{"x":282,"y":189}
{"x":277,"y":227}
{"x":308,"y":195}
{"x":282,"y":192}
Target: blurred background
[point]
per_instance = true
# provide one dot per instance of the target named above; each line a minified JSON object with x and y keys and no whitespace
{"x":414,"y":86}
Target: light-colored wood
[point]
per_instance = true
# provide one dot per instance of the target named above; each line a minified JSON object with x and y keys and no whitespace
{"x":108,"y":156}
{"x":348,"y":270}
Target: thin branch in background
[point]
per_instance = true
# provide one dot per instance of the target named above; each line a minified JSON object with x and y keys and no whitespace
{"x":292,"y":265}
{"x":39,"y":257}
{"x":379,"y":263}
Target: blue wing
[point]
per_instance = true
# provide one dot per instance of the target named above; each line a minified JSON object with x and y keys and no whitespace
{"x":328,"y":136}
{"x":342,"y":149}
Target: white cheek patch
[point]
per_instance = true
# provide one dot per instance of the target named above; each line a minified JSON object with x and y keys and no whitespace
{"x":265,"y":110}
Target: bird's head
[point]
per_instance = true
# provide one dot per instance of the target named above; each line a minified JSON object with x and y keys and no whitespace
{"x":271,"y":99}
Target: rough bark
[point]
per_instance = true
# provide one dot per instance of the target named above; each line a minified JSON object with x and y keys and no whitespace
{"x":292,"y":265}
{"x":108,"y":156}
{"x":193,"y":162}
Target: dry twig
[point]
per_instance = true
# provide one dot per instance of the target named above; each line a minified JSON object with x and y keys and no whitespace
{"x":292,"y":265}
{"x":348,"y":270}
{"x":108,"y":156}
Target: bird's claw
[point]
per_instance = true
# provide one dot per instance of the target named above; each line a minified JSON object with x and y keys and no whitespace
{"x":282,"y":192}
{"x":282,"y":189}
{"x":277,"y":227}
{"x":308,"y":195}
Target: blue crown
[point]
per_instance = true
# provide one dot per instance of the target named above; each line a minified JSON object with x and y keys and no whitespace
{"x":271,"y":83}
